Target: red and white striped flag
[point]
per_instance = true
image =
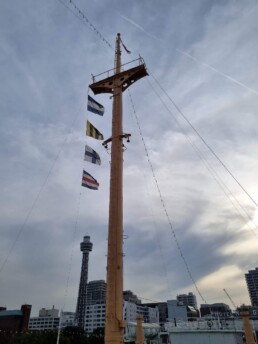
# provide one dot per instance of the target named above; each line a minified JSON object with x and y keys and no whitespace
{"x":89,"y":182}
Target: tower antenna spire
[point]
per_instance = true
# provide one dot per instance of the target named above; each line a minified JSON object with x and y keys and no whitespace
{"x":116,"y":85}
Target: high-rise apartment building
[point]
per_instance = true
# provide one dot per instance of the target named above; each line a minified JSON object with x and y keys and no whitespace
{"x":96,"y":305}
{"x":86,"y":248}
{"x":96,"y":292}
{"x":128,"y":295}
{"x":187,"y":299}
{"x":252,"y":285}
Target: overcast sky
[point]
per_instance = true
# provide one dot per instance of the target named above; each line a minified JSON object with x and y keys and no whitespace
{"x":204,"y":54}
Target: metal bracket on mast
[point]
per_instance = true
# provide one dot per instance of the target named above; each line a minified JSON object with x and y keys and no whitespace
{"x":124,"y":136}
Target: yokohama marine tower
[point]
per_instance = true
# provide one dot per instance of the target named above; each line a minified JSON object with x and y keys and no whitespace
{"x":86,"y":248}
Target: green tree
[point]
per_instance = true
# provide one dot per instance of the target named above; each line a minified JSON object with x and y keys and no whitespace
{"x":97,"y":336}
{"x":76,"y":335}
{"x":39,"y":337}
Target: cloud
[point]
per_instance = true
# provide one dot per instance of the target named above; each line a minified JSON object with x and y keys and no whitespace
{"x":139,"y":27}
{"x":217,"y":71}
{"x":218,"y":280}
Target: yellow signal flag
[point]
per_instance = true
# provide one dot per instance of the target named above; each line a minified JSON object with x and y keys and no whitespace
{"x":93,"y":132}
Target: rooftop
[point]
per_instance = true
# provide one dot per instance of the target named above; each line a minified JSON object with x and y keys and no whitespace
{"x":11,"y":313}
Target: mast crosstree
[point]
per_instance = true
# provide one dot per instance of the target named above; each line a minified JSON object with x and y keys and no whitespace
{"x":116,"y":84}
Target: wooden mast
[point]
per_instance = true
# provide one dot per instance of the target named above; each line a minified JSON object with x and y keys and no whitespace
{"x":114,"y":327}
{"x":116,"y":84}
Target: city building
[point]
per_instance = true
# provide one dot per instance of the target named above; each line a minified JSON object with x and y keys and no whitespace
{"x":128,"y":295}
{"x":163,"y":310}
{"x":13,"y":322}
{"x":132,"y":306}
{"x":150,"y":314}
{"x":95,"y":317}
{"x":252,"y":285}
{"x":48,"y":319}
{"x":177,"y":311}
{"x":215,"y":310}
{"x":96,"y":292}
{"x":187,"y":299}
{"x":52,"y":312}
{"x":131,"y":309}
{"x":96,"y":307}
{"x":86,"y":248}
{"x":67,"y":319}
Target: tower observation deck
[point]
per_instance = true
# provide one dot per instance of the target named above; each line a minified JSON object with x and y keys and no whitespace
{"x":86,"y":248}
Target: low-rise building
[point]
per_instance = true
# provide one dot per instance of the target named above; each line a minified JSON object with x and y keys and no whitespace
{"x":13,"y":322}
{"x":48,"y":319}
{"x":67,"y":319}
{"x":215,"y":309}
{"x":96,"y":313}
{"x":52,"y":312}
{"x":163,"y":310}
{"x":131,"y":309}
{"x":177,"y":311}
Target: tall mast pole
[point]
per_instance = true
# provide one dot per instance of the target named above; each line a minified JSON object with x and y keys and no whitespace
{"x":116,"y":85}
{"x":114,"y":327}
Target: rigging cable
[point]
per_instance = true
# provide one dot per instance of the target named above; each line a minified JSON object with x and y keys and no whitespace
{"x":217,"y":178}
{"x":163,"y":203}
{"x":151,"y":215}
{"x":203,"y":140}
{"x":70,"y":264}
{"x":72,"y":250}
{"x":22,"y":227}
{"x":83,"y":18}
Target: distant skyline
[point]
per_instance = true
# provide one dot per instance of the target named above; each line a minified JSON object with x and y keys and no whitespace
{"x":204,"y":54}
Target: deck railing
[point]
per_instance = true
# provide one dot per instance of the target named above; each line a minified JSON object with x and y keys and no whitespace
{"x":111,"y":72}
